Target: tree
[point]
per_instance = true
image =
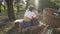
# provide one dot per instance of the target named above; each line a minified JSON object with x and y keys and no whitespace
{"x":10,"y":9}
{"x":47,"y":4}
{"x":3,"y":4}
{"x":27,"y":1}
{"x":42,"y":4}
{"x":0,"y":5}
{"x":18,"y":6}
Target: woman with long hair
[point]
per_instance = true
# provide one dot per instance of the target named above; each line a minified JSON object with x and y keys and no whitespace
{"x":30,"y":17}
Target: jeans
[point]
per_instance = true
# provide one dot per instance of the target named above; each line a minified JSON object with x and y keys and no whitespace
{"x":28,"y":24}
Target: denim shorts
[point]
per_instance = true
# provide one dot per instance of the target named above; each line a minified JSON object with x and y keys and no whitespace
{"x":28,"y":24}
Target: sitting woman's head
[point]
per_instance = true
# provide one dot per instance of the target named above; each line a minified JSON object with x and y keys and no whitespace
{"x":31,"y":8}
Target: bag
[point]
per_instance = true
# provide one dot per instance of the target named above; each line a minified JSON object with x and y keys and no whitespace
{"x":35,"y":22}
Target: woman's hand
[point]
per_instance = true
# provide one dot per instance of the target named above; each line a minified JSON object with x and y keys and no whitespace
{"x":36,"y":18}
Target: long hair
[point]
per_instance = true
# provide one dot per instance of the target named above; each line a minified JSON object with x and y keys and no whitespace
{"x":31,"y":8}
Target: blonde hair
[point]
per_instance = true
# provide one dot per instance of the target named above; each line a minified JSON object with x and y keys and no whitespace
{"x":31,"y":7}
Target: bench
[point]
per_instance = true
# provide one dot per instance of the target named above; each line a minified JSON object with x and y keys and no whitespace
{"x":29,"y":30}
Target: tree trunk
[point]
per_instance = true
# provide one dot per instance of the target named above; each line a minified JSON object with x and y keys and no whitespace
{"x":18,"y":6}
{"x":10,"y":9}
{"x":18,"y":9}
{"x":4,"y":7}
{"x":27,"y":3}
{"x":0,"y":6}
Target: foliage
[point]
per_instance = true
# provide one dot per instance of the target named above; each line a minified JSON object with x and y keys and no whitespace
{"x":2,"y":8}
{"x":58,"y":1}
{"x":21,"y":8}
{"x":47,"y":4}
{"x":52,"y":4}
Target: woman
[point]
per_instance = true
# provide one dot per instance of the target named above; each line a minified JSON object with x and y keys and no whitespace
{"x":30,"y":16}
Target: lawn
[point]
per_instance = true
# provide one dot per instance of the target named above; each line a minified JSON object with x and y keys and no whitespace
{"x":19,"y":15}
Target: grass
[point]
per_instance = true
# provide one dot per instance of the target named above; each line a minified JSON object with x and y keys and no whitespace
{"x":6,"y":28}
{"x":19,"y":15}
{"x":3,"y":18}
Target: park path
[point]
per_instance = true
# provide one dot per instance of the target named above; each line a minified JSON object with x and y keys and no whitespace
{"x":13,"y":31}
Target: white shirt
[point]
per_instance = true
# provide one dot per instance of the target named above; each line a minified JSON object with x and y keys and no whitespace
{"x":29,"y":14}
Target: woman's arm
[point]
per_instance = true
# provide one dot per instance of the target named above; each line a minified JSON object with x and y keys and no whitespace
{"x":36,"y":18}
{"x":37,"y":14}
